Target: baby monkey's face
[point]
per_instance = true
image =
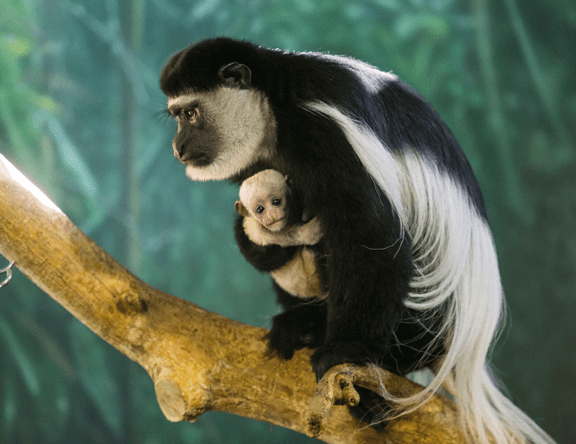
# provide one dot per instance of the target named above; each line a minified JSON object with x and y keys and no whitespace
{"x":270,"y":209}
{"x":264,"y":197}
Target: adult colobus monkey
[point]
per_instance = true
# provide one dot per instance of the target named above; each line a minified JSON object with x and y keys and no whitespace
{"x":410,"y":265}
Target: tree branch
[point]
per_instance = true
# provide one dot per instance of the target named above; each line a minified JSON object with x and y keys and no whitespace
{"x":198,"y":360}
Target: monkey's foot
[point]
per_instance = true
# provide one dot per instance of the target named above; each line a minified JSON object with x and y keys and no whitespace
{"x":296,"y":328}
{"x":337,"y":388}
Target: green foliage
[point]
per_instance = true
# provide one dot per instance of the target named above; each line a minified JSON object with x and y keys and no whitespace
{"x":78,"y":99}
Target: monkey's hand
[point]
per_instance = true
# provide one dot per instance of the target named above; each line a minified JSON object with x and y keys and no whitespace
{"x":258,"y":233}
{"x":310,"y":232}
{"x":298,"y":327}
{"x":305,"y":234}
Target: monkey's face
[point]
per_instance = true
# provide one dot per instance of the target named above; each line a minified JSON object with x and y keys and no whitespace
{"x":270,"y":210}
{"x":222,"y":131}
{"x":223,"y":128}
{"x":195,"y":142}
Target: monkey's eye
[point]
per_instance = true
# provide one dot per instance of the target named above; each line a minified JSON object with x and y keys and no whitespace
{"x":260,"y":209}
{"x":191,"y":113}
{"x":276,"y":202}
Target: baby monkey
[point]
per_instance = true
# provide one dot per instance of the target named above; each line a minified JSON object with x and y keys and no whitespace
{"x":270,"y":218}
{"x":265,"y":204}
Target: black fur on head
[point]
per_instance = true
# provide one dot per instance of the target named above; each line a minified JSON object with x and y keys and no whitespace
{"x":199,"y":67}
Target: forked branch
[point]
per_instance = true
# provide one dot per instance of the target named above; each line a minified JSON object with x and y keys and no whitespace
{"x":198,"y":360}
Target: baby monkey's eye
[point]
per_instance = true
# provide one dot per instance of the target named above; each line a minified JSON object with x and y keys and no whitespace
{"x":260,"y":209}
{"x":276,"y":202}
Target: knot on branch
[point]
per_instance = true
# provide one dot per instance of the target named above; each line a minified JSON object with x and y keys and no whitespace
{"x":131,"y":302}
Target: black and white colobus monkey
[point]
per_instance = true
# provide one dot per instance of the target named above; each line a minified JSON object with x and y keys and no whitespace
{"x":404,"y":223}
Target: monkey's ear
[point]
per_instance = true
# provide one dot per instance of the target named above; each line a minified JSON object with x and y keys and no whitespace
{"x":241,"y":209}
{"x":236,"y":74}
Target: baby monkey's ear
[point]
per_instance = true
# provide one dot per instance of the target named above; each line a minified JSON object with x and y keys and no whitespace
{"x":241,"y":209}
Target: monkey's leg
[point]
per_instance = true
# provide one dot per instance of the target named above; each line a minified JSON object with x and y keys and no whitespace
{"x":302,"y":324}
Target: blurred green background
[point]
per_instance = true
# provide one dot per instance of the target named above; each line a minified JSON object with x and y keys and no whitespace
{"x":79,"y":103}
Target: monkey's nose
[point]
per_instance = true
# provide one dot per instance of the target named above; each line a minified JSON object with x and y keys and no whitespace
{"x":179,"y":150}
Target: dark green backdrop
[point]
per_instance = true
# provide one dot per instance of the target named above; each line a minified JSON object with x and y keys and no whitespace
{"x":79,"y":99}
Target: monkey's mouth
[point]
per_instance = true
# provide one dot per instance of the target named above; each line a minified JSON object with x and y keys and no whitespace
{"x":198,"y":160}
{"x":277,"y":225}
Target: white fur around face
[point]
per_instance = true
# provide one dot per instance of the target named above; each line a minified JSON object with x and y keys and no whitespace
{"x":244,"y":123}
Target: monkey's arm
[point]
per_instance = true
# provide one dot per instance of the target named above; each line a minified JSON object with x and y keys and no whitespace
{"x":292,"y":236}
{"x":308,"y":233}
{"x":302,"y":324}
{"x":368,"y":271}
{"x":265,"y":258}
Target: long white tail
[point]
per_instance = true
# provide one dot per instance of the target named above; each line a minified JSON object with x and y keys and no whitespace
{"x":457,"y":270}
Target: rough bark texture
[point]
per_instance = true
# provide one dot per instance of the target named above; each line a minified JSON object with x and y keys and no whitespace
{"x":198,"y":360}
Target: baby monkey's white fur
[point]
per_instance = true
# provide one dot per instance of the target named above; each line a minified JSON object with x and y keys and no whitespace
{"x":270,"y":226}
{"x":299,"y":276}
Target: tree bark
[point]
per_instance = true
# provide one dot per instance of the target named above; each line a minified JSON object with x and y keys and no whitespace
{"x":198,"y":360}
